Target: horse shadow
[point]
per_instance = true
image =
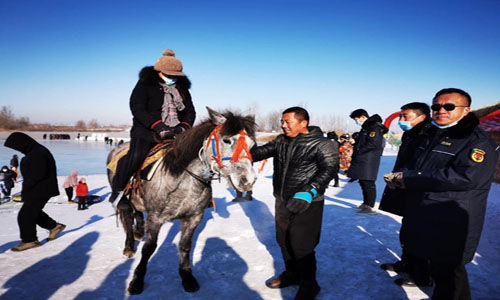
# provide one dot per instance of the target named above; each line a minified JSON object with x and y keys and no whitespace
{"x":45,"y":277}
{"x":96,"y":190}
{"x":92,"y":219}
{"x":113,"y":286}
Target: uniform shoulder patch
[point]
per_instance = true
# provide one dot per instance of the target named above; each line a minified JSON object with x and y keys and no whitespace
{"x":372,"y":134}
{"x":478,"y":155}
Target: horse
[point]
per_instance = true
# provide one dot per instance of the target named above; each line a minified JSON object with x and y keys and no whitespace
{"x":181,"y":189}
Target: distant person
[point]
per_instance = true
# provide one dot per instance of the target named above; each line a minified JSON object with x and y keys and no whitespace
{"x":82,"y":191}
{"x":415,"y":121}
{"x":7,"y":180}
{"x":111,"y":142}
{"x":162,"y":107}
{"x":368,"y":149}
{"x":38,"y":168}
{"x":44,"y":136}
{"x":240,"y":198}
{"x":332,"y":135}
{"x":14,"y":165}
{"x":345,"y":151}
{"x":70,"y":183}
{"x":450,"y":180}
{"x":304,"y":163}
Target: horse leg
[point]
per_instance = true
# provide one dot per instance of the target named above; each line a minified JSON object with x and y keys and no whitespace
{"x":127,"y":219}
{"x":136,"y":286}
{"x":187,"y":230}
{"x":139,"y":225}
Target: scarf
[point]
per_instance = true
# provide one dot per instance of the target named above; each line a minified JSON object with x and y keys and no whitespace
{"x":172,"y":102}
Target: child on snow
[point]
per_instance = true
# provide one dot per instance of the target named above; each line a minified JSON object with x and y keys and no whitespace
{"x":82,"y":192}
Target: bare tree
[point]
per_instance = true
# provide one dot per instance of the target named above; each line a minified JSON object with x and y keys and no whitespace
{"x":9,"y":121}
{"x":93,"y":124}
{"x":80,"y":124}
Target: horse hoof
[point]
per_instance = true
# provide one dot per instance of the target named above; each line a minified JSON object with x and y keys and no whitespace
{"x":189,"y":283}
{"x":135,"y":287}
{"x":128,"y":253}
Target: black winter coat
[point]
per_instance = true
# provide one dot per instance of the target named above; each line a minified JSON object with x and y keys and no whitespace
{"x":147,"y":99}
{"x":394,"y":200}
{"x":8,"y":177}
{"x":453,"y":172}
{"x":368,"y":149}
{"x":38,"y":168}
{"x":308,"y":159}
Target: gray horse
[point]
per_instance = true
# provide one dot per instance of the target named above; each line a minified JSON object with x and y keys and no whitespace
{"x":180,"y":188}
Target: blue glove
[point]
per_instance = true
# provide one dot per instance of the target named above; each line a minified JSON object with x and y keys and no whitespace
{"x":301,"y":200}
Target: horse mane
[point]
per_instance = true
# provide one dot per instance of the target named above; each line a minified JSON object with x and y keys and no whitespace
{"x":188,"y":144}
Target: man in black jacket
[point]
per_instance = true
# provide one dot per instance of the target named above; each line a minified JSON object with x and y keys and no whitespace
{"x":304,"y":163}
{"x":368,"y":148}
{"x":38,"y":168}
{"x":414,"y":119}
{"x":162,"y":107}
{"x":452,"y":175}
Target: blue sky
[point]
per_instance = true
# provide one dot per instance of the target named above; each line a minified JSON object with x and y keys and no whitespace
{"x":62,"y":60}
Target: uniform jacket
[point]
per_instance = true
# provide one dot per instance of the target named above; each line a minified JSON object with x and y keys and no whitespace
{"x":8,"y":177}
{"x":38,"y":168}
{"x":394,"y":200}
{"x":306,"y":159}
{"x":452,"y":175}
{"x":147,"y":99}
{"x":82,"y":190}
{"x":368,"y":149}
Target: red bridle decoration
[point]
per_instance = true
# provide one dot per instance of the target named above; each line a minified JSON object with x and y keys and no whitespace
{"x":241,"y":147}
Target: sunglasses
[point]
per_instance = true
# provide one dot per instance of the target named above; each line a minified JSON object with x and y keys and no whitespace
{"x":447,"y":106}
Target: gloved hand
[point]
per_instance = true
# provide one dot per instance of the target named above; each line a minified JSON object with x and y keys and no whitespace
{"x":181,"y":128}
{"x":301,"y":200}
{"x":394,"y":180}
{"x":163,"y":131}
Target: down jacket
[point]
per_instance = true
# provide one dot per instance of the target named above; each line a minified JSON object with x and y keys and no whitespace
{"x":147,"y":99}
{"x":368,"y":149}
{"x":453,"y":172}
{"x":38,"y":168}
{"x":308,"y":159}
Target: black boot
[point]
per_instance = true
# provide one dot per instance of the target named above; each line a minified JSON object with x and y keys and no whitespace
{"x":308,"y":287}
{"x":239,"y":197}
{"x":289,"y":277}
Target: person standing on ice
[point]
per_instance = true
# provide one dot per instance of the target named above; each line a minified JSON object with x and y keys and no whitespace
{"x":415,"y":120}
{"x":162,"y":107}
{"x":70,"y":183}
{"x":304,"y":163}
{"x":39,"y":171}
{"x":452,"y":174}
{"x":365,"y":162}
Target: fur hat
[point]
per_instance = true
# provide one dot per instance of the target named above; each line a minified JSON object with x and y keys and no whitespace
{"x":169,"y":64}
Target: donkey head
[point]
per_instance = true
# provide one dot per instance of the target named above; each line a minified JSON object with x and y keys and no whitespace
{"x":227,"y":149}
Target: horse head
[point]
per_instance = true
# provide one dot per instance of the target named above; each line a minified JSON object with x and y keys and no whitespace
{"x":227,"y":149}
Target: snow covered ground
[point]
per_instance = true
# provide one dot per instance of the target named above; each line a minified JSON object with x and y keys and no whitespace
{"x":234,"y":254}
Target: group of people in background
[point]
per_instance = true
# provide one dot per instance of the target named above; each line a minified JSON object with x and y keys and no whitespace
{"x":82,"y":191}
{"x":439,"y":183}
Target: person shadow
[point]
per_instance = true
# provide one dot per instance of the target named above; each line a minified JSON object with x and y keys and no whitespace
{"x":44,"y":278}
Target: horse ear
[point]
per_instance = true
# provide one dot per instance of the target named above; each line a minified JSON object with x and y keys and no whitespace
{"x":217,"y":118}
{"x":251,"y":118}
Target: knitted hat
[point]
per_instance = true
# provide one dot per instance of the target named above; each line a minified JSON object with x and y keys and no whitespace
{"x":168,"y":64}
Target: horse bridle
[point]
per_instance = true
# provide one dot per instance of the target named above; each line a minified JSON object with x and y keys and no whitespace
{"x":240,"y":152}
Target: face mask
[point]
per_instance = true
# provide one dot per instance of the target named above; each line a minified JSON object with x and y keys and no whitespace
{"x":167,"y":80}
{"x":444,"y":126}
{"x":358,"y":122}
{"x":405,"y":125}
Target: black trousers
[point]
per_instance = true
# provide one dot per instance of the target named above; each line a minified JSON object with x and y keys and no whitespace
{"x":369,"y":192}
{"x":451,"y":282}
{"x":30,"y":215}
{"x":131,"y":162}
{"x":81,"y":202}
{"x":69,"y":192}
{"x":298,"y":234}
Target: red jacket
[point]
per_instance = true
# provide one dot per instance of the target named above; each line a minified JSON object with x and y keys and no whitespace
{"x":82,"y":190}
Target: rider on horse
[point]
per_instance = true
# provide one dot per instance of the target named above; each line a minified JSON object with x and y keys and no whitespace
{"x":161,"y":106}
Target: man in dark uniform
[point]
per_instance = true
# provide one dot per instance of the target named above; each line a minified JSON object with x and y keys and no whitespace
{"x":304,"y":162}
{"x":452,"y":174}
{"x":368,"y":148}
{"x":414,"y":119}
{"x":39,"y":171}
{"x":162,"y":107}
